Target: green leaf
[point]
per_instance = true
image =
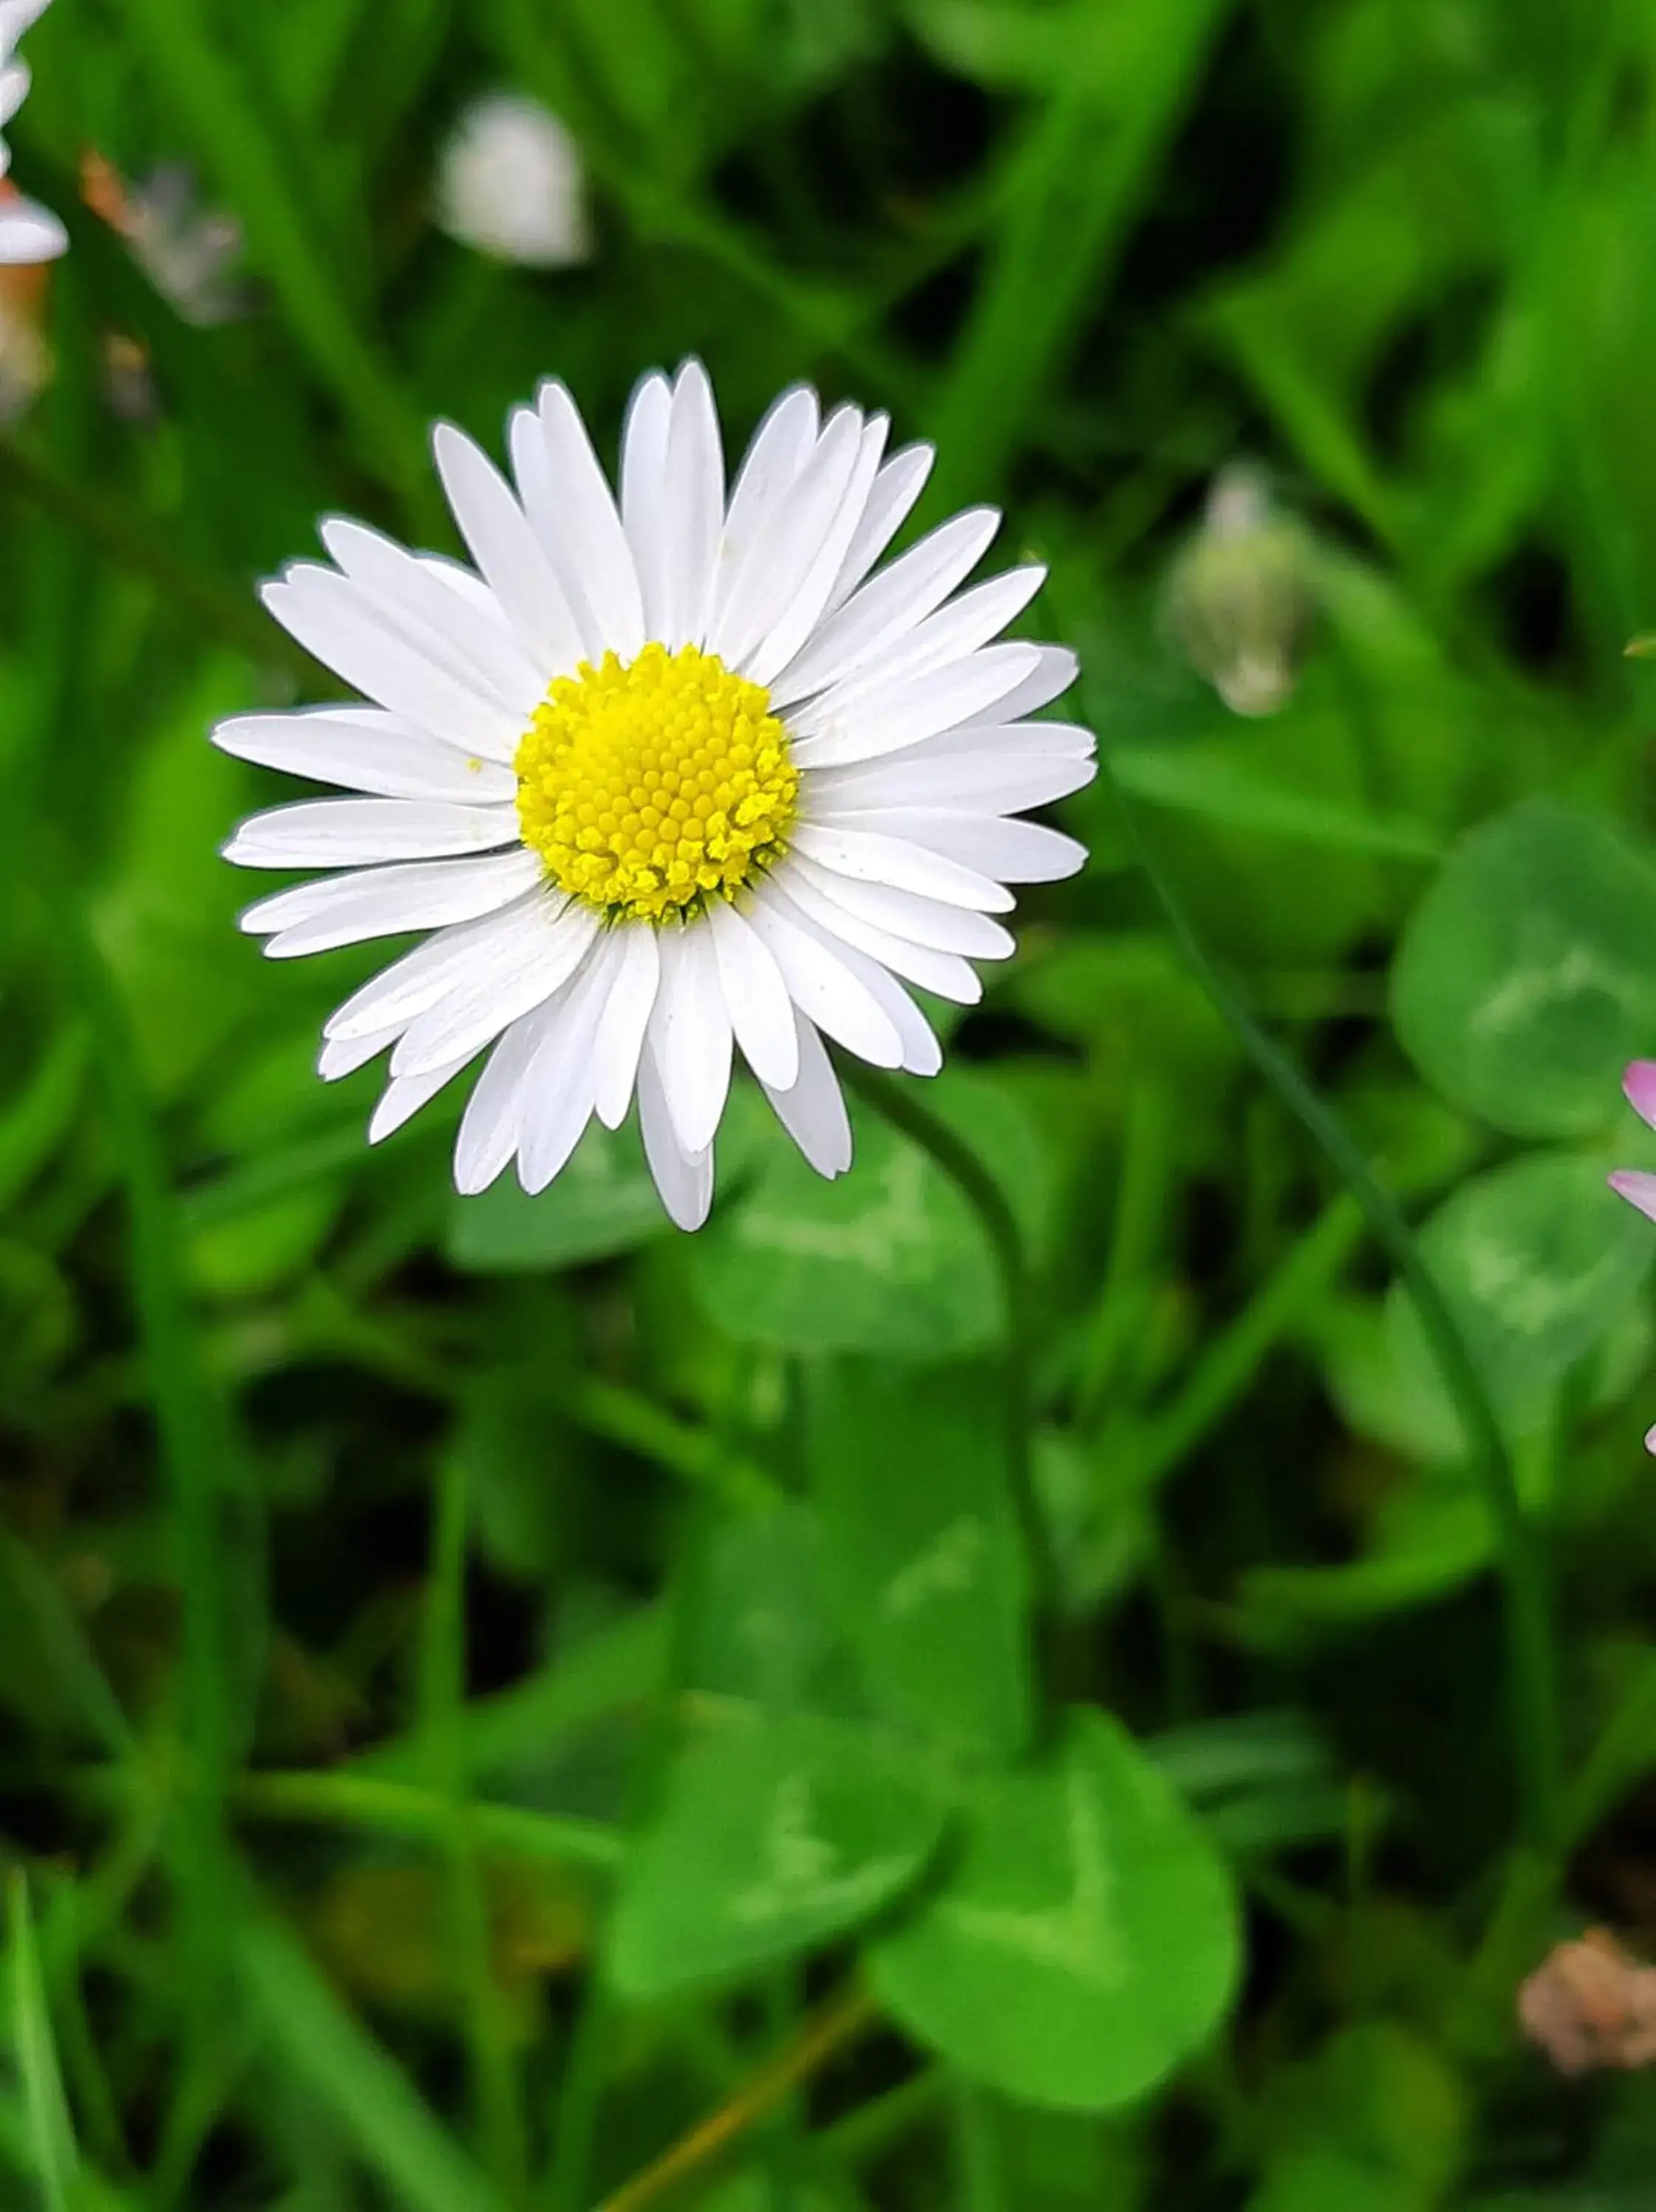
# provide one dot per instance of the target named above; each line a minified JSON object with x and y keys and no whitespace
{"x":1525,"y":981}
{"x":1086,"y":1942}
{"x":755,"y":1623}
{"x":1217,"y":779}
{"x":1313,"y":2180}
{"x":1075,"y":2161}
{"x":164,"y":920}
{"x":603,"y":1203}
{"x":1374,"y":2124}
{"x":925,"y":1554}
{"x":51,"y":2137}
{"x":773,"y":1837}
{"x":259,"y":1250}
{"x":755,"y":2192}
{"x":890,"y":1258}
{"x":1537,"y":1259}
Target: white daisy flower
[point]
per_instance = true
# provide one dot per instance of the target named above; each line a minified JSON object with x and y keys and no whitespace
{"x":512,"y":184}
{"x":660,"y":777}
{"x":28,"y":233}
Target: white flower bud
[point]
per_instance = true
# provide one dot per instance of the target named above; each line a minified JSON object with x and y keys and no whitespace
{"x":1239,"y":598}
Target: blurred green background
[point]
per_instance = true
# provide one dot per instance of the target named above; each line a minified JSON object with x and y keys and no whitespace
{"x":487,"y":1685}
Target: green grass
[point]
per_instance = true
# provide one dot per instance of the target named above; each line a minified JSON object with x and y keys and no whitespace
{"x":506,"y":1709}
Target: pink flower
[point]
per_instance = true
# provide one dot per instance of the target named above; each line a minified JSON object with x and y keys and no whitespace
{"x":1635,"y":1184}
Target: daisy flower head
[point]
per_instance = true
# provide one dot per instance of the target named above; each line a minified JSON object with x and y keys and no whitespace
{"x":28,"y":233}
{"x":663,"y":776}
{"x":1637,"y":1185}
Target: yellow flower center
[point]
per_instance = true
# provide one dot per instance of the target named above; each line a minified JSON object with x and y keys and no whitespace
{"x":650,"y":788}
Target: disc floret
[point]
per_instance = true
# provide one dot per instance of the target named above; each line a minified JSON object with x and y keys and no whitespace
{"x":652,"y":785}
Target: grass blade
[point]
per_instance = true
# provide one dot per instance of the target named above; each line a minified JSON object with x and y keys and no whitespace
{"x":51,"y":2136}
{"x":374,"y":2103}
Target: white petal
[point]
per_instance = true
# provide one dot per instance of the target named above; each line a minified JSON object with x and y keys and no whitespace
{"x":557,"y":1092}
{"x":970,"y":784}
{"x":686,"y":1184}
{"x":341,"y":1056}
{"x":836,"y":730}
{"x":896,"y":488}
{"x":508,"y":553}
{"x":29,"y":233}
{"x":417,"y":598}
{"x":573,"y":513}
{"x":493,"y":995}
{"x":332,"y":620}
{"x":954,"y":631}
{"x":517,"y":934}
{"x":781,"y":445}
{"x":806,"y":608}
{"x":404,"y":1095}
{"x":784,"y":550}
{"x":14,"y":87}
{"x":925,"y":921}
{"x":945,"y":973}
{"x":812,"y":1109}
{"x":17,"y":16}
{"x":644,"y":442}
{"x":695,"y":507}
{"x":626,"y":1017}
{"x":493,"y":1114}
{"x":690,"y":1036}
{"x":762,"y":1013}
{"x":336,"y":833}
{"x":364,"y":749}
{"x":888,"y":606}
{"x":1056,"y":669}
{"x":874,"y":855}
{"x":822,"y":986}
{"x":1015,"y":852}
{"x":1029,"y":740}
{"x":922,"y":1054}
{"x":370,"y":903}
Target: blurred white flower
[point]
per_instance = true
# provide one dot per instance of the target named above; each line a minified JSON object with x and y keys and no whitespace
{"x":189,"y":254}
{"x":28,"y":233}
{"x":512,"y":184}
{"x":1240,"y":596}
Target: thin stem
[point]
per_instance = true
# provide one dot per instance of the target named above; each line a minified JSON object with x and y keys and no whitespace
{"x":1533,"y":1676}
{"x":900,"y":1106}
{"x":396,"y":1809}
{"x":837,"y":2024}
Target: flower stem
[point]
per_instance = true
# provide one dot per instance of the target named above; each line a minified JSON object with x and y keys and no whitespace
{"x":906,"y":1112}
{"x":1532,"y":1679}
